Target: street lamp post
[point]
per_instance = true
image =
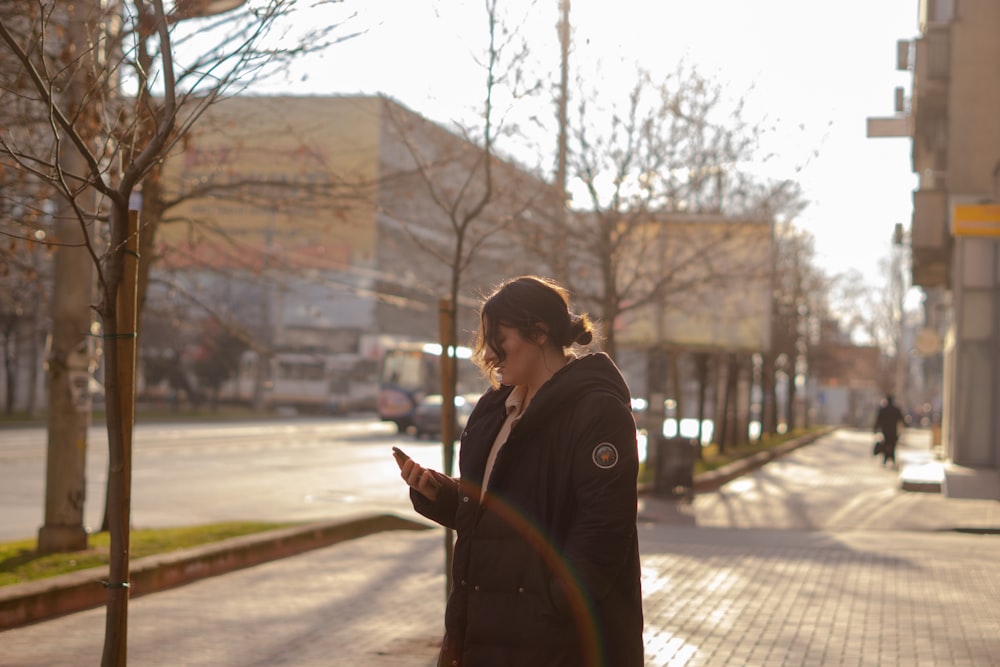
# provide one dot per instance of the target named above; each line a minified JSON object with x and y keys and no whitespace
{"x":899,"y":284}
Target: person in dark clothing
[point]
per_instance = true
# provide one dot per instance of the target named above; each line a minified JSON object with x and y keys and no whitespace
{"x":545,"y":570}
{"x":888,"y":418}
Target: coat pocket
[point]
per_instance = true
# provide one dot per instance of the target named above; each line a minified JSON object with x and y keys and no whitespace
{"x":516,"y":618}
{"x":507,"y":595}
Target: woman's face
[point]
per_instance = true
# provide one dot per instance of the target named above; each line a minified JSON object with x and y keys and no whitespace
{"x":522,"y":357}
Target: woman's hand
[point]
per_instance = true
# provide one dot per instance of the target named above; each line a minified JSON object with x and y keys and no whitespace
{"x":420,"y":479}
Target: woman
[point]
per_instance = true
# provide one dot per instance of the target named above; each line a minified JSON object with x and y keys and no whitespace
{"x":546,"y":560}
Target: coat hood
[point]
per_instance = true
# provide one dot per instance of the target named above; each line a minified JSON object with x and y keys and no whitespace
{"x":594,"y":372}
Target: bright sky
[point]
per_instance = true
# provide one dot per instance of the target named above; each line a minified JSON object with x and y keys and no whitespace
{"x":815,"y":69}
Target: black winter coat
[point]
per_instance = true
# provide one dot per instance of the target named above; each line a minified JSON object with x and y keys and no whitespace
{"x":887,"y":419}
{"x":546,"y":566}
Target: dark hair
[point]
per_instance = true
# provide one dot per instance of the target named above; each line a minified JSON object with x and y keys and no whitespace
{"x":533,"y":306}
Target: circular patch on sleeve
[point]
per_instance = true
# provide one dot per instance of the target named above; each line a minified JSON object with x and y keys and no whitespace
{"x":605,"y":455}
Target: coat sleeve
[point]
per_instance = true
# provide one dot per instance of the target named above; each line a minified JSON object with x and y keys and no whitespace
{"x":442,"y":510}
{"x":605,"y":463}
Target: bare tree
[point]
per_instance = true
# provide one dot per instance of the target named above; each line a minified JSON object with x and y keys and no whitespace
{"x":53,"y":88}
{"x":24,"y":264}
{"x":872,"y":314}
{"x":865,"y":309}
{"x":473,"y":199}
{"x":674,"y":148}
{"x":799,"y":304}
{"x":473,"y":196}
{"x":90,"y":150}
{"x":24,"y":270}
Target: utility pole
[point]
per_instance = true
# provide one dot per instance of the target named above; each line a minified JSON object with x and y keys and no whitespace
{"x":447,"y":326}
{"x":70,"y":352}
{"x":559,"y":262}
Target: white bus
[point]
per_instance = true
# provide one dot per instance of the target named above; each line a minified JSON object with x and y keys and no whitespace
{"x":306,"y":382}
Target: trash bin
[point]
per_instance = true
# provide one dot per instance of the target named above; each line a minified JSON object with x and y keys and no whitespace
{"x":674,"y":470}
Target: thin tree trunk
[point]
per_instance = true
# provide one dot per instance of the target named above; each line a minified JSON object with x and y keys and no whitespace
{"x":119,"y":312}
{"x":701,"y":368}
{"x":739,"y":425}
{"x":656,"y":391}
{"x":769,"y":396}
{"x":678,"y":391}
{"x":729,"y":411}
{"x":790,"y":398}
{"x":34,"y":361}
{"x":10,"y":372}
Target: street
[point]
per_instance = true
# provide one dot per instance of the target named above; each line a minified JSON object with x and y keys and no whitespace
{"x":190,"y":473}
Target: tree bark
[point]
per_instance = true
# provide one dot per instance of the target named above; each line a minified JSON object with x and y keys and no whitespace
{"x":769,"y":396}
{"x":70,"y":357}
{"x":120,"y":372}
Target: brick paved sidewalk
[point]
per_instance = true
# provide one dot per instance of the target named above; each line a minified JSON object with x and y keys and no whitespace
{"x":712,"y":597}
{"x":375,"y":601}
{"x":759,"y":597}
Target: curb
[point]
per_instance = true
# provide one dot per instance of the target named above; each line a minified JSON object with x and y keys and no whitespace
{"x":922,"y":477}
{"x":22,"y":604}
{"x":920,"y":486}
{"x":713,"y":479}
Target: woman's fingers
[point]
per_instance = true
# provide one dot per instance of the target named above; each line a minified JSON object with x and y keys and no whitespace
{"x":420,"y":479}
{"x":428,"y":485}
{"x":411,"y":473}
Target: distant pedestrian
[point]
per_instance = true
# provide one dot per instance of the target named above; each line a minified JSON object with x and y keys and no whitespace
{"x":887,"y":420}
{"x":546,"y":561}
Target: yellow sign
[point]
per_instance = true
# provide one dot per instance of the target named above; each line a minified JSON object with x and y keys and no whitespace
{"x":975,"y":220}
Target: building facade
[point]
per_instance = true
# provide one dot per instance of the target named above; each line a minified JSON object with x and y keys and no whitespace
{"x":954,"y":127}
{"x":329,"y":225}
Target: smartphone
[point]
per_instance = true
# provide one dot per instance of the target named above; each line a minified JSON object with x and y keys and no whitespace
{"x":402,"y":457}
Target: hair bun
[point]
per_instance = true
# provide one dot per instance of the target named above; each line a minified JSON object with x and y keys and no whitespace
{"x":580,"y":330}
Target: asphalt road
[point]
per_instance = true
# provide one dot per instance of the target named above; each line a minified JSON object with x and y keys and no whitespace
{"x":189,"y":473}
{"x":323,"y":469}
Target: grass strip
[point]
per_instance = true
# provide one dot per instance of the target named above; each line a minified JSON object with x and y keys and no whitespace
{"x":21,"y":562}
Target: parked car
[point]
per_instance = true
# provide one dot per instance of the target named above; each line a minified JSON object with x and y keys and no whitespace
{"x":427,"y":414}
